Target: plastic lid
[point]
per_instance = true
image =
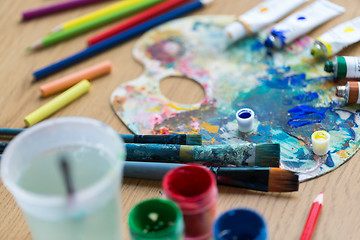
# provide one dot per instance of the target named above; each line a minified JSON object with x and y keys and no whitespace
{"x":320,"y":142}
{"x":245,"y":119}
{"x":235,"y":31}
{"x":240,"y":224}
{"x":329,"y":66}
{"x":156,"y":219}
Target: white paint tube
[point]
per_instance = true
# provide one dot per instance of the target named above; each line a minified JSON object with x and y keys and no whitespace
{"x":336,"y":39}
{"x":302,"y":22}
{"x":259,"y":17}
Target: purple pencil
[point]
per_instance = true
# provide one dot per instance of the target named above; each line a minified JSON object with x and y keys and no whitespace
{"x":55,"y":8}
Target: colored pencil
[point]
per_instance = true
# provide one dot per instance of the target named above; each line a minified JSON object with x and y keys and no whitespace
{"x":266,"y":179}
{"x":312,"y":218}
{"x":68,"y":33}
{"x":70,"y":80}
{"x":118,"y":39}
{"x":55,"y":8}
{"x":182,"y":139}
{"x":244,"y":154}
{"x":135,"y":20}
{"x":96,"y":14}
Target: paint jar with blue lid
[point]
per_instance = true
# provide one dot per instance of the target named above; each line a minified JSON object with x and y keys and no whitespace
{"x":239,"y":224}
{"x":159,"y":219}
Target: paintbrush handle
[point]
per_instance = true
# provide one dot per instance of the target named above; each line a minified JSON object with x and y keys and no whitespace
{"x":241,"y":154}
{"x":183,"y":139}
{"x":146,"y":170}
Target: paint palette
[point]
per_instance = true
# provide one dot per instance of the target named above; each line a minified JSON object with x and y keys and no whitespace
{"x":291,"y":95}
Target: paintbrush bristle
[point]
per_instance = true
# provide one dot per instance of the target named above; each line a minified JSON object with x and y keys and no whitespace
{"x":193,"y":139}
{"x":281,"y":180}
{"x":267,"y":155}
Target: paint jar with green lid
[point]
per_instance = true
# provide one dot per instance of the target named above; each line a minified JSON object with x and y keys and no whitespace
{"x":344,"y":67}
{"x":159,"y":219}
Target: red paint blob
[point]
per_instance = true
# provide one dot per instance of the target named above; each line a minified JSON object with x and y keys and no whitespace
{"x":193,"y":188}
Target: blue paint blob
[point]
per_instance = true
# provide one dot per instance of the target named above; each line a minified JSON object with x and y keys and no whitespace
{"x":280,"y":81}
{"x":263,"y":134}
{"x":257,"y":46}
{"x":301,"y":18}
{"x":307,"y":97}
{"x":329,"y":162}
{"x":305,"y":115}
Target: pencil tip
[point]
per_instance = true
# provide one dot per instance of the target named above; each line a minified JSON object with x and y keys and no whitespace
{"x":35,"y":46}
{"x":56,"y":29}
{"x":320,"y":198}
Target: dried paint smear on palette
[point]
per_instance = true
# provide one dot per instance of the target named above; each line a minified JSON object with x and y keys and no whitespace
{"x":291,"y":96}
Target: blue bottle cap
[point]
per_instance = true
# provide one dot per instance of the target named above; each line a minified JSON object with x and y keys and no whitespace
{"x":240,"y":224}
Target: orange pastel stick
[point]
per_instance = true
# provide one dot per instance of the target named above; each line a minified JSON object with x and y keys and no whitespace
{"x":70,"y":80}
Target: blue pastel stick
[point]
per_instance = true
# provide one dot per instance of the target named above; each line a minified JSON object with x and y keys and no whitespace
{"x":117,"y":39}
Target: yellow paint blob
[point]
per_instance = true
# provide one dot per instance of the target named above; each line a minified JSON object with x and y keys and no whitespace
{"x":181,"y":108}
{"x":264,"y":9}
{"x":349,"y":29}
{"x":210,"y":128}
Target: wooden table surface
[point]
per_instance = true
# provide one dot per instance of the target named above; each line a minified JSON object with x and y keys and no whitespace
{"x":285,"y":213}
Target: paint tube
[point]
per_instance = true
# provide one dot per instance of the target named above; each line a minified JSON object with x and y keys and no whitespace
{"x":301,"y":22}
{"x":344,"y":67}
{"x":334,"y":40}
{"x":259,"y":17}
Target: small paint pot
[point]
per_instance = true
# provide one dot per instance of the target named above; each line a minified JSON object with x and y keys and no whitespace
{"x":156,"y":219}
{"x":240,"y":224}
{"x":193,"y":187}
{"x":245,"y":119}
{"x":320,"y":142}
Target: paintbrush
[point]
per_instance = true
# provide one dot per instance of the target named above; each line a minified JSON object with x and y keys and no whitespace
{"x":244,"y":154}
{"x":266,"y":179}
{"x":65,"y":171}
{"x":183,"y":139}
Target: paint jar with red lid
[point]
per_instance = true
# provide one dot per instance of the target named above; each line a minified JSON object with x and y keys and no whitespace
{"x":193,"y":187}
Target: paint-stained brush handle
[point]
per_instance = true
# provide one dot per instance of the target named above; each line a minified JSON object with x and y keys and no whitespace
{"x":182,"y":139}
{"x":245,"y":154}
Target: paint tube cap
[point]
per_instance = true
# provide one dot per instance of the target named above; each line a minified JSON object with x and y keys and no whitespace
{"x":317,"y":52}
{"x":235,"y":31}
{"x":273,"y":41}
{"x":320,"y":142}
{"x":240,"y":223}
{"x":245,"y":118}
{"x":329,"y":67}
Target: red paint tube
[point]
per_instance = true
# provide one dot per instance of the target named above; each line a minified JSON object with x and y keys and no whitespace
{"x":193,"y":188}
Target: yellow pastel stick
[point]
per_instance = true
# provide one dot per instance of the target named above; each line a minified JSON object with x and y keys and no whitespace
{"x":103,"y":11}
{"x":57,"y":103}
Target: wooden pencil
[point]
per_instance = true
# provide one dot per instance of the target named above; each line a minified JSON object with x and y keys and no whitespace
{"x":117,"y":39}
{"x":69,"y":33}
{"x":135,"y":20}
{"x":55,"y":8}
